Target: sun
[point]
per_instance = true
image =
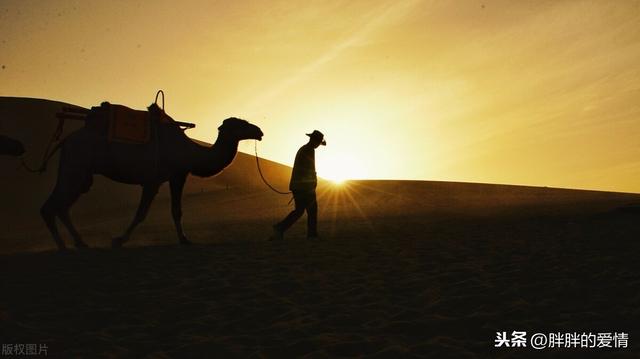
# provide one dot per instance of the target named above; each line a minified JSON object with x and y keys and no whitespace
{"x":338,"y":168}
{"x":333,"y":174}
{"x":337,"y":181}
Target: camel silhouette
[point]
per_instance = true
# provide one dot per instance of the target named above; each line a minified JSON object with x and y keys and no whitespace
{"x":170,"y":156}
{"x":11,"y":147}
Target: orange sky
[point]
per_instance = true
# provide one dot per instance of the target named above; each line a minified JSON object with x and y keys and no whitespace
{"x":524,"y":92}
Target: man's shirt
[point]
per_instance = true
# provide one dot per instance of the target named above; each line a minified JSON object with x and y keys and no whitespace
{"x":303,"y":176}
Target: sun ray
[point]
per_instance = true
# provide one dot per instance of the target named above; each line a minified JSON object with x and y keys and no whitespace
{"x":363,"y":215}
{"x":340,"y":200}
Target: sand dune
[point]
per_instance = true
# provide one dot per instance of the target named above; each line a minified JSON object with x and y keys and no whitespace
{"x":404,"y":268}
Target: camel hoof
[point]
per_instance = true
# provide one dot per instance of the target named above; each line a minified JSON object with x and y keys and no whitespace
{"x":185,"y":242}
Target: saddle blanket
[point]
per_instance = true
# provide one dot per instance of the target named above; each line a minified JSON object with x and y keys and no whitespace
{"x":128,"y":125}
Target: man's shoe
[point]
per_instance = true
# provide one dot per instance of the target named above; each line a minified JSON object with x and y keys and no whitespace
{"x":277,"y":234}
{"x":313,"y":237}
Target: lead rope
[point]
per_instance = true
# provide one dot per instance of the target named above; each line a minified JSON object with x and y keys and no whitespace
{"x":255,"y":147}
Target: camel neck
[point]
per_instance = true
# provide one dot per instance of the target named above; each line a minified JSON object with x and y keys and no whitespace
{"x":212,"y":160}
{"x":224,"y":150}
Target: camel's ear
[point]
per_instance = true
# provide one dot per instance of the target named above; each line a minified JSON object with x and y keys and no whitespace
{"x":225,"y":122}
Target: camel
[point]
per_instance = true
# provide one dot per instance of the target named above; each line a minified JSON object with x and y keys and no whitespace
{"x":171,"y":157}
{"x":10,"y":147}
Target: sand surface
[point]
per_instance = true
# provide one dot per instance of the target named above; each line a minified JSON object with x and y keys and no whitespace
{"x":435,"y":284}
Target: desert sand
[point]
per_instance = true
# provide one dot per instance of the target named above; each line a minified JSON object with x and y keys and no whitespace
{"x":403,"y":268}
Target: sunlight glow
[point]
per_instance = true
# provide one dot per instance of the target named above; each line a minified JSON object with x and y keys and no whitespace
{"x":339,"y":168}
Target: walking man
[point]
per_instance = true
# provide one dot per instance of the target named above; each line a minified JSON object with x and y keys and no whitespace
{"x":303,"y":186}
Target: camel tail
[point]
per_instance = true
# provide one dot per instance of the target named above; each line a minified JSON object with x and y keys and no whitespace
{"x":45,"y":159}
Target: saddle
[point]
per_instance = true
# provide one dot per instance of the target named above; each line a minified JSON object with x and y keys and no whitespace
{"x":128,"y":125}
{"x":123,"y":124}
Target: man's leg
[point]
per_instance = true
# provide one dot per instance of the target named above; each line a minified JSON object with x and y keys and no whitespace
{"x":312,"y":216}
{"x":292,"y":217}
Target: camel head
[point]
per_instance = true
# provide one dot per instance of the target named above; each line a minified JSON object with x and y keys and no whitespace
{"x":238,"y":129}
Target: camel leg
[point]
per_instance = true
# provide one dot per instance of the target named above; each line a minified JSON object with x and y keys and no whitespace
{"x":66,"y":221}
{"x":48,"y":213}
{"x":148,"y":194}
{"x":63,"y":213}
{"x":177,"y":185}
{"x":69,"y":187}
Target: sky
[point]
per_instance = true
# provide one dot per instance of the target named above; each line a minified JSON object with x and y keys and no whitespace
{"x":543,"y":93}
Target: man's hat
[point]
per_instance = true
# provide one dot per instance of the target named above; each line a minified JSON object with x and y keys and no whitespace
{"x":318,"y":135}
